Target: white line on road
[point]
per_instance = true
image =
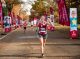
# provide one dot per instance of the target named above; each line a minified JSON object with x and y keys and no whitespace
{"x":23,"y":37}
{"x":7,"y":34}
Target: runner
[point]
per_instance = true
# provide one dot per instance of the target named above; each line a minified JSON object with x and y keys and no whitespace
{"x":42,"y":32}
{"x":24,"y":26}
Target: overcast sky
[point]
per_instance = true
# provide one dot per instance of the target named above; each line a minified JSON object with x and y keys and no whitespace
{"x":27,"y":5}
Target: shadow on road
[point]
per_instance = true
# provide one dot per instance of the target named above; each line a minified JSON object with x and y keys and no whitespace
{"x":38,"y":55}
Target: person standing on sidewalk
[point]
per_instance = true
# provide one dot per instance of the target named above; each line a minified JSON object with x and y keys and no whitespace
{"x":42,"y":32}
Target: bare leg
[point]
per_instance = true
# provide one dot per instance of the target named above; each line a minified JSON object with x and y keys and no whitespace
{"x":44,"y":42}
{"x":42,"y":45}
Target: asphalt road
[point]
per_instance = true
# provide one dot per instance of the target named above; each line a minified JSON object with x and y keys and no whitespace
{"x":17,"y":45}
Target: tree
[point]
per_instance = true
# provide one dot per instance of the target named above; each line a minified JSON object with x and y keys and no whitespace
{"x":10,"y":3}
{"x":9,"y":6}
{"x":38,"y":7}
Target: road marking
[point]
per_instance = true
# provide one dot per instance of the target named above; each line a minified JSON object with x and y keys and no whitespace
{"x":8,"y":34}
{"x":23,"y":37}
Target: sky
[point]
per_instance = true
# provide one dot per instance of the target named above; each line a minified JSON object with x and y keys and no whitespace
{"x":27,"y":5}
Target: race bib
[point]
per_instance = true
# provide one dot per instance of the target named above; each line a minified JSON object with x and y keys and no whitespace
{"x":42,"y":29}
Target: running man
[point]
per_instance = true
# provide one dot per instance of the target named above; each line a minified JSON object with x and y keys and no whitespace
{"x":42,"y":32}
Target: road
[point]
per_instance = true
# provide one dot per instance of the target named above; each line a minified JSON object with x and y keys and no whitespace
{"x":17,"y":45}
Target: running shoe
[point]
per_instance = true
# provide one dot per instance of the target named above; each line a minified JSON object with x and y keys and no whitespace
{"x":42,"y":55}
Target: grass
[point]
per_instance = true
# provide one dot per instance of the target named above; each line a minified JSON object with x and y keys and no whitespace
{"x":79,"y":26}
